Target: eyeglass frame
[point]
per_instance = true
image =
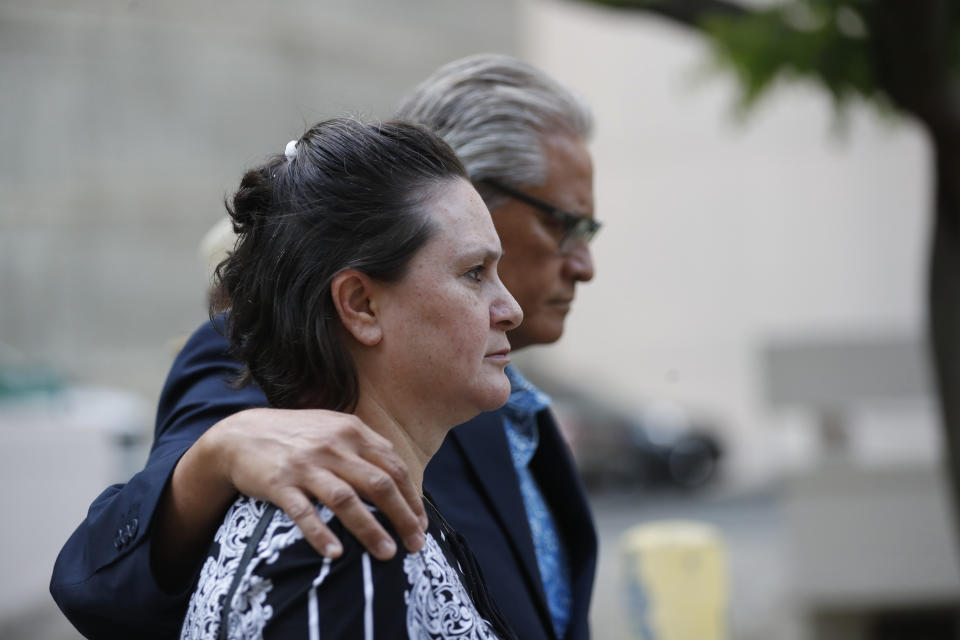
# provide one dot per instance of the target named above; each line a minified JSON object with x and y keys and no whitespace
{"x":575,"y":227}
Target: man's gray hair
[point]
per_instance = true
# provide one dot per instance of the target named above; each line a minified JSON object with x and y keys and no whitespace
{"x":494,"y":110}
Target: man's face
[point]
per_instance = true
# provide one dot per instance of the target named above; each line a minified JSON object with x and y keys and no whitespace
{"x":540,"y":277}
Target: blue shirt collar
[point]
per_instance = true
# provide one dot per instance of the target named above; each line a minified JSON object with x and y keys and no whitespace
{"x":524,"y":396}
{"x":520,"y":413}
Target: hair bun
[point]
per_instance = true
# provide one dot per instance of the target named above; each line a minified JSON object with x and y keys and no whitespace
{"x":253,"y":199}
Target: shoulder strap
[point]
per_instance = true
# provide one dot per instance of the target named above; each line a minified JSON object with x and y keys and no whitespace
{"x":248,"y":552}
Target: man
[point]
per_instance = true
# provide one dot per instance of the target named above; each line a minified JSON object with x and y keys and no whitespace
{"x":505,"y":479}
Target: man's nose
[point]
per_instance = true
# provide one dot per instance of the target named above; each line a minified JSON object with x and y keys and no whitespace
{"x":578,"y":262}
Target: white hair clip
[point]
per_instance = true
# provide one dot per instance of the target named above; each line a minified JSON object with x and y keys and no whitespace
{"x":291,"y":150}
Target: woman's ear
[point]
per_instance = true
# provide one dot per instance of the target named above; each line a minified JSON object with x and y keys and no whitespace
{"x":351,"y":295}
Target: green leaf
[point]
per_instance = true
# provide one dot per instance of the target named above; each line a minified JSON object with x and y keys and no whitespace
{"x":824,"y":41}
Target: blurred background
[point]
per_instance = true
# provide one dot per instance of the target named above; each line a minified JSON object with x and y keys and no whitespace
{"x":748,"y":356}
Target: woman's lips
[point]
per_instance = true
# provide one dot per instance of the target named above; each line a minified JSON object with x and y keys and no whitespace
{"x":501,"y":356}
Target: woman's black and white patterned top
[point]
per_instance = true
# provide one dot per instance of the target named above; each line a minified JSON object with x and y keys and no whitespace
{"x":279,"y":587}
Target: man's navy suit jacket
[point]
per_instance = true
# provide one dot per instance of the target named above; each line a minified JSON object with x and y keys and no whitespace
{"x":103,"y":582}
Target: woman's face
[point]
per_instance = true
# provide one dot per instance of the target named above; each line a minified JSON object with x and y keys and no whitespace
{"x":445,"y":322}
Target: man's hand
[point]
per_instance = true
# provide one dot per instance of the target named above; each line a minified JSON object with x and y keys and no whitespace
{"x":289,"y":458}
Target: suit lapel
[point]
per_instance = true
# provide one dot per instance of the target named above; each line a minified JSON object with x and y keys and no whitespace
{"x":560,"y":485}
{"x":484,"y":445}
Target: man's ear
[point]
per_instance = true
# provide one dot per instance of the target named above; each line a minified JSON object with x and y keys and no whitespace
{"x":351,"y":295}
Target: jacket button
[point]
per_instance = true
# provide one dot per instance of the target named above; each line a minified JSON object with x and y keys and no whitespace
{"x":118,"y":541}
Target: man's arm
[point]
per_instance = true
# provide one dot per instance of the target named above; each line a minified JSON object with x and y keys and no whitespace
{"x":288,"y":458}
{"x":128,"y":566}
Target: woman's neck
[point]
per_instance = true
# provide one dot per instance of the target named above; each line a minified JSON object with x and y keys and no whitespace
{"x":415,"y":437}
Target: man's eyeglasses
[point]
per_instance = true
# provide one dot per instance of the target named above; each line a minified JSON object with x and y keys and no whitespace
{"x":575,"y":227}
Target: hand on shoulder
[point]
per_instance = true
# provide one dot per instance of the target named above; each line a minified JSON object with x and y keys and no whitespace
{"x":294,"y":457}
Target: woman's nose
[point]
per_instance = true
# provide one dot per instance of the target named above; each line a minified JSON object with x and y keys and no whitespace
{"x":505,"y":312}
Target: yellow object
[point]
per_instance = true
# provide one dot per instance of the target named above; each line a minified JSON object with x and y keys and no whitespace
{"x":676,"y":580}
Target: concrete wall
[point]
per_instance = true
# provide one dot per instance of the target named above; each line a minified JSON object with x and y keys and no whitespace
{"x":124,"y":124}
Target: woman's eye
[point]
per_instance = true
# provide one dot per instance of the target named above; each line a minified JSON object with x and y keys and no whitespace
{"x":476,"y":273}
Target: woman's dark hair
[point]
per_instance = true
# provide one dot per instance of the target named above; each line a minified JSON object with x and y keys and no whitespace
{"x":349,"y":196}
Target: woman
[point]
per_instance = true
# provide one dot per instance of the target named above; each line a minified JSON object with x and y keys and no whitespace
{"x":364,"y":279}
